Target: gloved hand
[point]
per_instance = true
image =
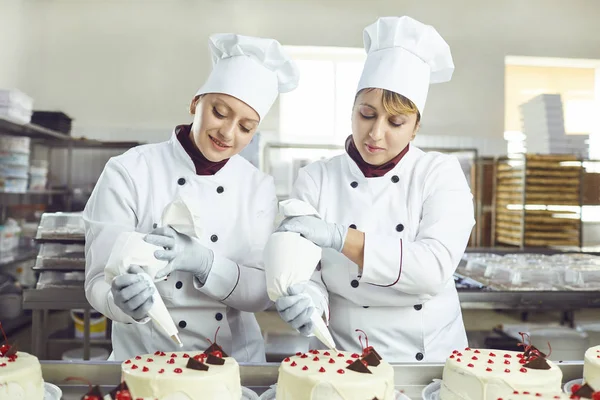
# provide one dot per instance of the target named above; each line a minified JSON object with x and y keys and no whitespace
{"x":321,"y":233}
{"x":182,"y":252}
{"x":296,"y":308}
{"x":132,"y":292}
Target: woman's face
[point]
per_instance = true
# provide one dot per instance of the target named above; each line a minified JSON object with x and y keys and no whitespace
{"x":379,"y":136}
{"x":223,"y":125}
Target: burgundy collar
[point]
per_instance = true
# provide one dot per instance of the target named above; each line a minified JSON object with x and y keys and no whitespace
{"x":368,"y":170}
{"x":203,"y":165}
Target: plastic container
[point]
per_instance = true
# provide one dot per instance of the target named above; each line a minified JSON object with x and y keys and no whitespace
{"x":96,"y":354}
{"x":14,"y":171}
{"x":13,"y":185}
{"x":15,"y":144}
{"x":97,"y":324}
{"x":13,"y":158}
{"x":59,"y":256}
{"x":66,"y":226}
{"x":9,"y":235}
{"x":583,"y":277}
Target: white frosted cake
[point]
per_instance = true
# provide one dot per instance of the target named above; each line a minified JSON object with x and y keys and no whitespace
{"x":591,"y":367}
{"x":480,"y":374}
{"x":20,"y":376}
{"x":189,"y":376}
{"x":536,"y":396}
{"x":329,"y":375}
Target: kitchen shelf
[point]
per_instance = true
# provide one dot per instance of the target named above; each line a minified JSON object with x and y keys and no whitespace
{"x":18,"y":254}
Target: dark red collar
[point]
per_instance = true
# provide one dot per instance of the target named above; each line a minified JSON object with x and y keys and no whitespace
{"x":203,"y":165}
{"x":368,"y":170}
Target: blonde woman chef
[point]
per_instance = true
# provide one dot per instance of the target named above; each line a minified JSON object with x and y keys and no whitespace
{"x":395,"y":220}
{"x":216,"y":281}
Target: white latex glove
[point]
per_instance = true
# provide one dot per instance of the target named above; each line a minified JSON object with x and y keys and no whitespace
{"x":132,"y":292}
{"x":296,"y":308}
{"x":321,"y":233}
{"x":182,"y":252}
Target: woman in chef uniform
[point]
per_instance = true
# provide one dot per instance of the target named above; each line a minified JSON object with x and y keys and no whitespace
{"x":394,"y":220}
{"x":215,"y":281}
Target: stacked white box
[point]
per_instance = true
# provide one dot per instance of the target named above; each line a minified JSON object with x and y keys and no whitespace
{"x":14,"y":163}
{"x":16,"y":105}
{"x":544,"y":126}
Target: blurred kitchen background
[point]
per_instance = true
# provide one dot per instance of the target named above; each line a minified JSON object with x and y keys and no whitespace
{"x":82,"y":81}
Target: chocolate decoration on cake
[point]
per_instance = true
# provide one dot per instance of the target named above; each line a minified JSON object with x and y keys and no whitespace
{"x":532,"y":350}
{"x":214,"y":347}
{"x":214,"y":360}
{"x":12,"y":350}
{"x":371,"y":359}
{"x":197,"y":365}
{"x":585,"y":391}
{"x":537,"y":363}
{"x":358,"y":366}
{"x":94,"y":394}
{"x":121,"y":391}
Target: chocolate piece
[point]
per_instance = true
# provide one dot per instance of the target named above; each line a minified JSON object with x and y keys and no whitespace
{"x":358,"y":366}
{"x":120,"y":388}
{"x":214,"y":360}
{"x":529,"y":353}
{"x":372,"y":350}
{"x":215,"y":347}
{"x":537,"y":363}
{"x":585,"y":391}
{"x":95,"y":392}
{"x":372,"y":359}
{"x":197,"y":365}
{"x":12,"y":350}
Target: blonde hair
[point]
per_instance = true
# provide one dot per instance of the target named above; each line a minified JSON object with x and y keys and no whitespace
{"x":395,"y":104}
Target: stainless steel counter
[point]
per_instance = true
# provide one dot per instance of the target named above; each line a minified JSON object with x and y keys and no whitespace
{"x":410,"y":378}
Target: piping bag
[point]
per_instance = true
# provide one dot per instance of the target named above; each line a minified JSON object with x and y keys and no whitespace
{"x":131,"y":249}
{"x":289,"y":259}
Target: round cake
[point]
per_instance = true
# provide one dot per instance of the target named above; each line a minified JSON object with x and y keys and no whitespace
{"x":536,"y":396}
{"x":480,"y":374}
{"x":591,"y":367}
{"x":204,"y":375}
{"x":20,"y":376}
{"x":332,"y":375}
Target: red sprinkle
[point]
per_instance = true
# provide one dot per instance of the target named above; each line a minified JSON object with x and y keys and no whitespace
{"x":538,"y":394}
{"x":298,"y":354}
{"x":287,"y":359}
{"x":293,"y":364}
{"x":128,"y":362}
{"x":340,"y":354}
{"x":331,"y":361}
{"x":138,"y":357}
{"x":557,"y":397}
{"x":520,"y":355}
{"x":507,"y":356}
{"x":303,"y":356}
{"x":524,"y":370}
{"x":522,"y":361}
{"x":470,"y":365}
{"x":157,"y":353}
{"x":315,"y":351}
{"x":488,"y":369}
{"x":178,"y":370}
{"x":316,"y":359}
{"x":492,"y":355}
{"x":458,"y":360}
{"x":467,"y":349}
{"x":150,"y":360}
{"x":305,"y":368}
{"x":186,"y":355}
{"x":490,"y":362}
{"x":525,"y":392}
{"x":575,"y":388}
{"x":506,"y":362}
{"x":455,"y":352}
{"x":452,"y":356}
{"x":173,"y":355}
{"x":326,"y":353}
{"x":145,"y":369}
{"x":515,"y":392}
{"x":171,"y":361}
{"x":322,"y":369}
{"x":507,"y":370}
{"x":459,"y":354}
{"x":476,"y":352}
{"x":161,"y":371}
{"x":341,"y":371}
{"x":3,"y":365}
{"x":474,"y":358}
{"x":354,"y":355}
{"x":134,"y":366}
{"x":349,"y":362}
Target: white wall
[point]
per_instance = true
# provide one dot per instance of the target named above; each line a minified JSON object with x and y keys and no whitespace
{"x":10,"y":42}
{"x":130,"y":66}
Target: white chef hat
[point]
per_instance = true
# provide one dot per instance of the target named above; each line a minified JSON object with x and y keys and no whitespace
{"x":405,"y":56}
{"x":254,"y":70}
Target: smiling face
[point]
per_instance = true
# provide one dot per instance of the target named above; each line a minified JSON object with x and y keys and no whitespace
{"x":383,"y":123}
{"x":223,"y":125}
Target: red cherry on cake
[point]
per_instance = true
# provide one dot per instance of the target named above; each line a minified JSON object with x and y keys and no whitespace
{"x":575,"y":388}
{"x":123,"y":395}
{"x":596,"y":396}
{"x":217,"y":353}
{"x":4,"y":349}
